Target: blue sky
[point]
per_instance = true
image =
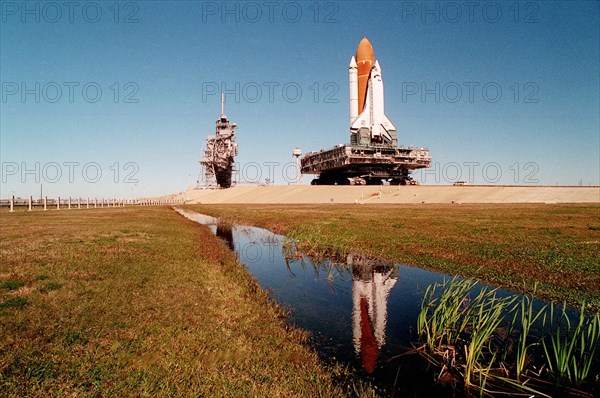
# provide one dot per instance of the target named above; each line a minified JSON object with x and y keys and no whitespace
{"x":116,"y":99}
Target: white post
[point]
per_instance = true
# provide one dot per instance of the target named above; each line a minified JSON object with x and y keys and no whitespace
{"x":12,"y":203}
{"x":79,"y":203}
{"x":87,"y":203}
{"x":95,"y":203}
{"x":58,"y":203}
{"x":69,"y":203}
{"x":30,"y":200}
{"x":45,"y":203}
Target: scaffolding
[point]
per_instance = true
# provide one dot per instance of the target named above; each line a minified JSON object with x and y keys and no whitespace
{"x":217,"y":162}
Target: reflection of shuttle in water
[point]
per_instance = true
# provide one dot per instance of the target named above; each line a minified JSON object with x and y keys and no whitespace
{"x":371,"y":286}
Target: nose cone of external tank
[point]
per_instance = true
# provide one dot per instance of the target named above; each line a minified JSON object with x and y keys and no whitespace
{"x":364,"y":51}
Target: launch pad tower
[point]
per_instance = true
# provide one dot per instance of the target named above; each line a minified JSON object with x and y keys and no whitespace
{"x":218,"y":153}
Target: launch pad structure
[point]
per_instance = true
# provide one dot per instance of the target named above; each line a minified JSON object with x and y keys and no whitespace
{"x":217,"y":162}
{"x":373,"y":155}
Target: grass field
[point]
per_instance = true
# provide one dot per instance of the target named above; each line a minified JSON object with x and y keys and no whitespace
{"x":553,"y":249}
{"x":141,"y":302}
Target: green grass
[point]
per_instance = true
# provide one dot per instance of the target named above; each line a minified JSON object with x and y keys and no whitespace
{"x":484,"y":342}
{"x":527,"y":319}
{"x":443,"y":319}
{"x":142,"y":302}
{"x":550,"y":249}
{"x":11,"y":284}
{"x":570,"y":348}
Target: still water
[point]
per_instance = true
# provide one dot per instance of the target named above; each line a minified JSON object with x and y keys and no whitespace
{"x":362,"y":312}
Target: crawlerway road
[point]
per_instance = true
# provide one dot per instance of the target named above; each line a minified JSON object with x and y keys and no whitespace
{"x":306,"y":194}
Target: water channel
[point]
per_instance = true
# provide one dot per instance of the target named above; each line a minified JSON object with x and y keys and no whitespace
{"x":362,"y":313}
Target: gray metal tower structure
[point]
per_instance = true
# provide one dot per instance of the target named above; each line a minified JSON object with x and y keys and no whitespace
{"x":218,"y":153}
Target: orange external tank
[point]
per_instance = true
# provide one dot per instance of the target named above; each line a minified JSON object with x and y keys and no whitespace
{"x":365,"y":59}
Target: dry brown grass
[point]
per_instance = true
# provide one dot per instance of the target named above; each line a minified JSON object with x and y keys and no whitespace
{"x":139,"y":302}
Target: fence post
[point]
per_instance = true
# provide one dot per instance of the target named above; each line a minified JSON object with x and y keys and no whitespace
{"x":30,"y":200}
{"x":69,"y":203}
{"x":87,"y":203}
{"x":12,"y":203}
{"x":79,"y":203}
{"x":58,"y":204}
{"x":45,"y":203}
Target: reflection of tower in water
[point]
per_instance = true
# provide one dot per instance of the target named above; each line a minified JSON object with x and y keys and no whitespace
{"x":372,"y":282}
{"x":225,"y":232}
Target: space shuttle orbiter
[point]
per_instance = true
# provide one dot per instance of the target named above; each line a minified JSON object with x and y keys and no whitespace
{"x":368,"y":123}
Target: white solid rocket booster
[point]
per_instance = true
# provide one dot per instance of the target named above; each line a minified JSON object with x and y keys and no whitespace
{"x":353,"y":79}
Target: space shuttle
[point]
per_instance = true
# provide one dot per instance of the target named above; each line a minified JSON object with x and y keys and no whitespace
{"x":368,"y":123}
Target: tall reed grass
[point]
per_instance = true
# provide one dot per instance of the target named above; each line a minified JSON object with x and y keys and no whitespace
{"x":569,"y":348}
{"x":486,"y":338}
